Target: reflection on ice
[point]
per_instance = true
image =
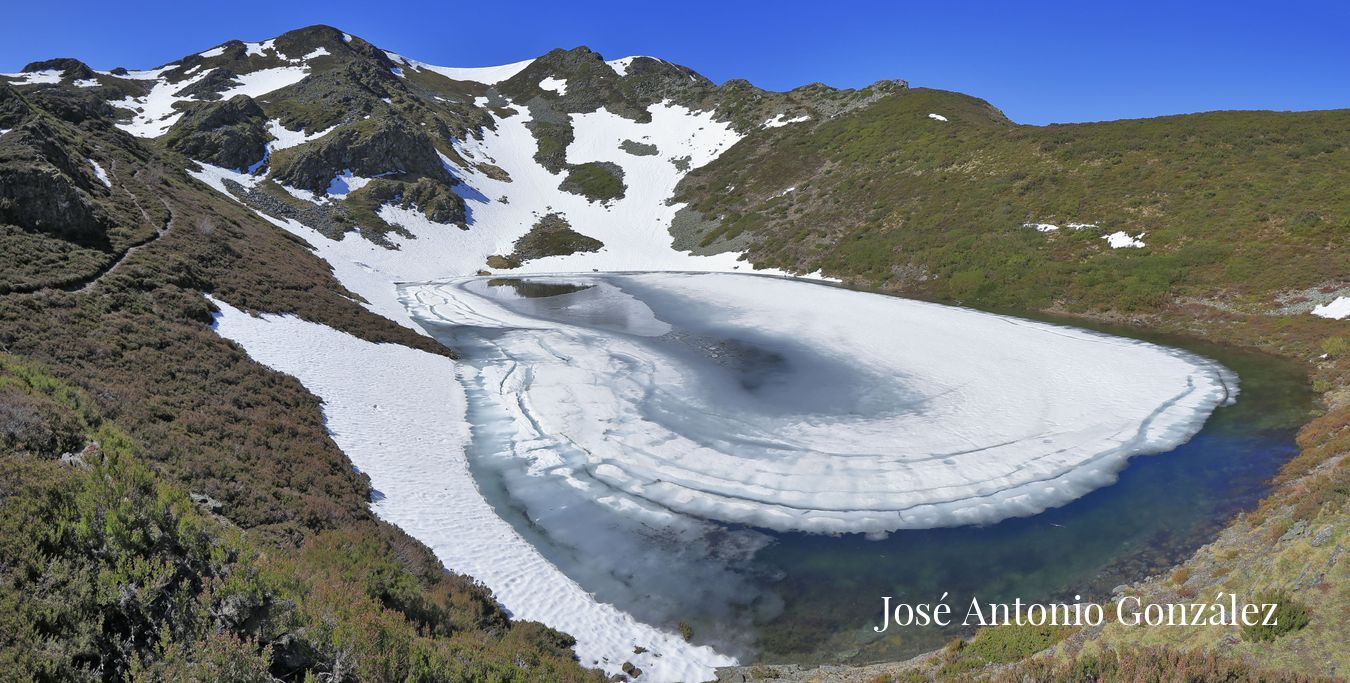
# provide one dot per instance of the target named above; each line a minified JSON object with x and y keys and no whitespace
{"x":795,"y":406}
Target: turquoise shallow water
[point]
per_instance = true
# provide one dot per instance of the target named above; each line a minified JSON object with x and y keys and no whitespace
{"x":803,"y":597}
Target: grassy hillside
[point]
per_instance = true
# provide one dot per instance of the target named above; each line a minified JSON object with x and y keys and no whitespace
{"x":1235,"y":206}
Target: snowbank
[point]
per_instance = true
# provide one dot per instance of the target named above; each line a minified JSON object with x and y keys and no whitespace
{"x":399,"y":414}
{"x":1336,"y":310}
{"x":101,"y":174}
{"x":557,"y":85}
{"x":1122,"y":240}
{"x":782,"y":120}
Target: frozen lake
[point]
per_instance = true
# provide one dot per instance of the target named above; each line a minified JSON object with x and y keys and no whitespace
{"x":792,"y":406}
{"x":717,"y":449}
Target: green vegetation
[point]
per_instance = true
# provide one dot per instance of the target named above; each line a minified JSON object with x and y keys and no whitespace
{"x":598,"y":181}
{"x":1290,"y":616}
{"x":638,"y":149}
{"x":1153,"y":663}
{"x":686,"y":631}
{"x":1000,"y":645}
{"x":551,"y":235}
{"x":112,"y":574}
{"x":1232,"y":204}
{"x":552,"y":140}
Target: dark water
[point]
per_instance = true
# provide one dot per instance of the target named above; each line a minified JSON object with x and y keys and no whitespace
{"x":816,"y":598}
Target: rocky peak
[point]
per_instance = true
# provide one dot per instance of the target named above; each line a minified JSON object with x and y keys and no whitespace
{"x":68,"y":66}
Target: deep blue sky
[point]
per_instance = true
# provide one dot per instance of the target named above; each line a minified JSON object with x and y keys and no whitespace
{"x":1040,"y":62}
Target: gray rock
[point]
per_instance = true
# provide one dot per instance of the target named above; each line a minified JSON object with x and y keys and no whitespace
{"x":1322,"y":536}
{"x":206,"y":502}
{"x":1294,"y":531}
{"x":232,"y":133}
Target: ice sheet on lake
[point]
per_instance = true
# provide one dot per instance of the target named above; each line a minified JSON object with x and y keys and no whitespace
{"x":795,"y":406}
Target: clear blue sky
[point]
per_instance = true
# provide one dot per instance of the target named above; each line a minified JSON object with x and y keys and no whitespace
{"x":1040,"y":62}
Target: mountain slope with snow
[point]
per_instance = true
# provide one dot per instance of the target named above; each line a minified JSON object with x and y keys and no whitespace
{"x":428,"y":172}
{"x":393,"y":170}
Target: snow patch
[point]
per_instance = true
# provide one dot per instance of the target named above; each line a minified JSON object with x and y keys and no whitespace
{"x":1121,"y":240}
{"x":284,"y":138}
{"x":213,"y":52}
{"x":154,"y":113}
{"x":620,"y":65}
{"x":345,"y":183}
{"x":35,"y":77}
{"x":1336,"y":310}
{"x":215,"y":176}
{"x":487,"y":75}
{"x":304,"y":195}
{"x":263,"y":81}
{"x":780,"y":121}
{"x":100,"y":173}
{"x":318,"y":52}
{"x":558,"y":85}
{"x":257,"y":49}
{"x":937,"y":117}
